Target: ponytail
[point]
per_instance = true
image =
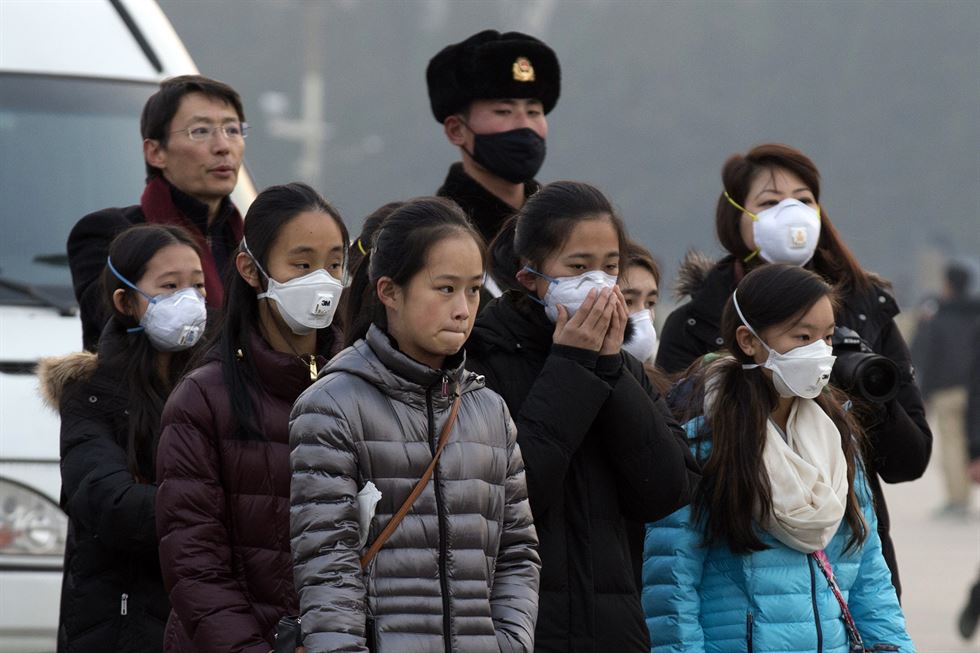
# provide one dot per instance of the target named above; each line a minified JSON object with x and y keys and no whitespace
{"x":399,"y":249}
{"x":363,"y":306}
{"x":504,"y":261}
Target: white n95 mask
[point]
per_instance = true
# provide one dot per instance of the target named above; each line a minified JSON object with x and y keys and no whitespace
{"x":306,"y":303}
{"x":172,"y":322}
{"x":801,"y":372}
{"x":643,"y":343}
{"x":785,"y":233}
{"x":570,"y":292}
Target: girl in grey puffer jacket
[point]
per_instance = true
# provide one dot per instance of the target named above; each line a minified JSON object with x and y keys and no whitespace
{"x":461,"y":571}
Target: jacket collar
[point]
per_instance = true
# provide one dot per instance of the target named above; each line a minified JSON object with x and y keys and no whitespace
{"x":282,"y":375}
{"x":487,"y":211}
{"x":378,"y":360}
{"x":512,"y":322}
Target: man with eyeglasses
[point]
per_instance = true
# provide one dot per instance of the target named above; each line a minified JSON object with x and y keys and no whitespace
{"x":193,"y":132}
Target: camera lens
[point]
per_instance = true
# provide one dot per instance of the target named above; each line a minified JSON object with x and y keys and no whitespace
{"x":877,"y":378}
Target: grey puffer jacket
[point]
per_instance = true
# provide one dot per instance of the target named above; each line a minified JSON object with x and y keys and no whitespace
{"x":461,"y":571}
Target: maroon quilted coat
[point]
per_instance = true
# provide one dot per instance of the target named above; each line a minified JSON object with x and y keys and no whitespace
{"x":222,"y":508}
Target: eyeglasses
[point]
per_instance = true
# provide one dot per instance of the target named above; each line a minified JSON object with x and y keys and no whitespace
{"x":233,"y":131}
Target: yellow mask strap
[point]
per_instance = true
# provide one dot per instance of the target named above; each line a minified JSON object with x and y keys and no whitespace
{"x":754,"y":217}
{"x":738,"y":206}
{"x":361,"y":247}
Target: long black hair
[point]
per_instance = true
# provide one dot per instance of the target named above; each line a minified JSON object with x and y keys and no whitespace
{"x":399,"y":249}
{"x":543,"y":225}
{"x":271,"y":210}
{"x":135,"y":359}
{"x":734,"y":489}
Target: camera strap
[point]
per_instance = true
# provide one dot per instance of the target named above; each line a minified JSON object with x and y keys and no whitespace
{"x":417,"y":490}
{"x":853,"y":636}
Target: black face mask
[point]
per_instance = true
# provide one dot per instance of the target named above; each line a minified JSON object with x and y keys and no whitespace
{"x":515,"y":155}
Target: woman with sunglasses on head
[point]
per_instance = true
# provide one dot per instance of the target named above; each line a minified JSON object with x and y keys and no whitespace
{"x":778,"y":550}
{"x":223,"y":464}
{"x":444,"y":557}
{"x":113,"y":596}
{"x":602,"y":451}
{"x":769,"y":211}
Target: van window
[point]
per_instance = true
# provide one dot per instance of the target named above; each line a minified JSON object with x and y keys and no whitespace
{"x":67,"y":147}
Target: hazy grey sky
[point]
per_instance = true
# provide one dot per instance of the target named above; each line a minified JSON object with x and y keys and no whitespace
{"x":884,"y":96}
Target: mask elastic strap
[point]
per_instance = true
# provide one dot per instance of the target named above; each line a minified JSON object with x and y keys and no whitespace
{"x":258,"y":266}
{"x":540,"y":274}
{"x":754,"y":217}
{"x":738,"y":206}
{"x":129,"y":283}
{"x":530,"y":295}
{"x":467,"y":125}
{"x":126,"y":281}
{"x":748,"y":326}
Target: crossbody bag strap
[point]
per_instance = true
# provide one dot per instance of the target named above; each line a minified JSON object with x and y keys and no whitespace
{"x":416,"y":491}
{"x":823,"y":562}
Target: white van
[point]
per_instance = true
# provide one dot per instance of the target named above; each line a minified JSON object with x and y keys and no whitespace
{"x":73,"y":79}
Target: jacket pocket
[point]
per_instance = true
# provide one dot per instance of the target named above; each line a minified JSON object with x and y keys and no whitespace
{"x":749,"y":627}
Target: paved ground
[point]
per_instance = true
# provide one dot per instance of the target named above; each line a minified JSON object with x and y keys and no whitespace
{"x":938,"y":559}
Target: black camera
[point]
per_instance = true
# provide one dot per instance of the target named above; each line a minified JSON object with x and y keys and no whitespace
{"x":860,"y":371}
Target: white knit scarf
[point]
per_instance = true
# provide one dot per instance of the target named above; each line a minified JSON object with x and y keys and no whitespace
{"x":808,"y":475}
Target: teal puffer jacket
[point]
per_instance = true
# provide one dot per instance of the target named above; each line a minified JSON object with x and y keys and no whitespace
{"x":707,"y":599}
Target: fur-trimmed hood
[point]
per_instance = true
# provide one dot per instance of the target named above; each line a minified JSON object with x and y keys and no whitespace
{"x":58,"y":372}
{"x":692,"y":273}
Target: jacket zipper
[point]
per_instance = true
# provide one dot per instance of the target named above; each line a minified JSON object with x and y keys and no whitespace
{"x":748,"y":630}
{"x":124,"y":605}
{"x":443,"y":581}
{"x":816,"y":610}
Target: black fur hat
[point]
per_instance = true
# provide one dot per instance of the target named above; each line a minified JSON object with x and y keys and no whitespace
{"x":491,"y":65}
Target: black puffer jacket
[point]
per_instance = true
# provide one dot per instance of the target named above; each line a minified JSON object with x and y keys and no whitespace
{"x":899,"y":437}
{"x":112,"y":596}
{"x":601,"y":453}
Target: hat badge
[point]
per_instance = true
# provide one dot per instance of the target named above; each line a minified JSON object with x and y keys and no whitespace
{"x":523,"y":70}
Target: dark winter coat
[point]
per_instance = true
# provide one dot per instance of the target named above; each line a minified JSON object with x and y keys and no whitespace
{"x":899,"y":437}
{"x":487,"y":212}
{"x":223,"y":508}
{"x":162,"y":203}
{"x":460,"y":573}
{"x":602,"y":453}
{"x":939,"y":345}
{"x":112,"y":596}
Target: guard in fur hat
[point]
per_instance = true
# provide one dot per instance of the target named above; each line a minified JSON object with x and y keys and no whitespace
{"x":491,"y":93}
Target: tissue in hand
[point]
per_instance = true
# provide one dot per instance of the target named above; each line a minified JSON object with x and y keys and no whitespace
{"x":367,"y":500}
